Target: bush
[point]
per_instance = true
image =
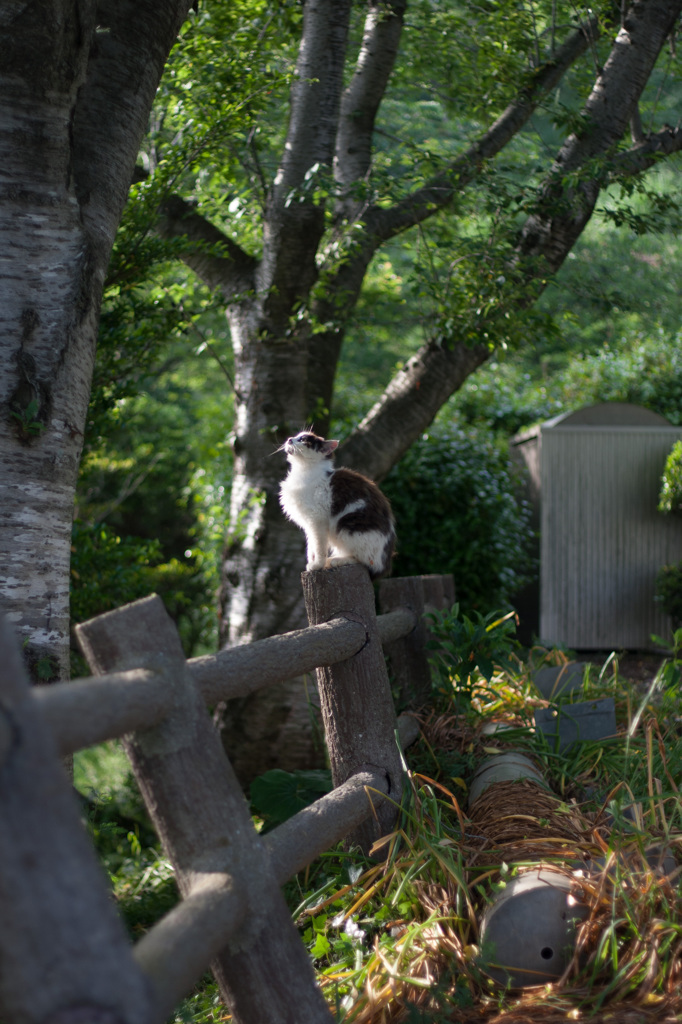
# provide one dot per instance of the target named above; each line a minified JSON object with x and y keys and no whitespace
{"x":456,"y":511}
{"x":465,"y":648}
{"x":669,"y":591}
{"x":508,"y":396}
{"x":670,"y":498}
{"x":108,"y":571}
{"x":504,"y":397}
{"x":644,"y":371}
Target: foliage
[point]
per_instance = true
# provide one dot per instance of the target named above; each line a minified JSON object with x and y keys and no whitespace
{"x":108,"y":571}
{"x":610,"y":329}
{"x":465,"y":647}
{"x":507,"y":395}
{"x":152,"y":493}
{"x":625,"y":284}
{"x":669,"y":590}
{"x":466,"y":280}
{"x":277,"y":795}
{"x":27,"y":422}
{"x":103,"y":776}
{"x":478,"y":74}
{"x":645,"y":372}
{"x":457,"y":511}
{"x":142,"y":880}
{"x":670,"y":498}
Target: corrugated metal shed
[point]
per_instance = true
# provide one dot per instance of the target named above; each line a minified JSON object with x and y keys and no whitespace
{"x":597,"y":473}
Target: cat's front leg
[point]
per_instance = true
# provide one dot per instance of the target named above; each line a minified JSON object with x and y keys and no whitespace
{"x":317,"y":548}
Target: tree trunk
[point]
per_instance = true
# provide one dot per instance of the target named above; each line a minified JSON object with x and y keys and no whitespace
{"x":264,"y":554}
{"x":48,"y":320}
{"x":76,"y":88}
{"x":48,"y":338}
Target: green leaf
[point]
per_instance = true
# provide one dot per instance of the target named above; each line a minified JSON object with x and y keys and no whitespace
{"x":278,"y":795}
{"x":321,"y":946}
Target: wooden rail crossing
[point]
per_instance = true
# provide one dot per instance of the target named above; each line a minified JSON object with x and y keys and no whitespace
{"x":65,"y":957}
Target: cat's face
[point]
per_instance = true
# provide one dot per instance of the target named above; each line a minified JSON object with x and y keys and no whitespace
{"x":309,"y":447}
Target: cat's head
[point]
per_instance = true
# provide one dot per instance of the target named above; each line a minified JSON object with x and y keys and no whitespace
{"x":309,"y":447}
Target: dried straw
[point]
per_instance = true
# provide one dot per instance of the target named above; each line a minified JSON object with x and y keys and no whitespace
{"x":518,"y":819}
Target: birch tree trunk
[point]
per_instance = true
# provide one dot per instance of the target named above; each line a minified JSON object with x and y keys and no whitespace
{"x":77,"y":81}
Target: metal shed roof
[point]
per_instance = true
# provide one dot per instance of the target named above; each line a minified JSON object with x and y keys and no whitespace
{"x":608,"y":414}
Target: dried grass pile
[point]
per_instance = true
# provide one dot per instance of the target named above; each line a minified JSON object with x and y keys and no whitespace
{"x":515,"y":820}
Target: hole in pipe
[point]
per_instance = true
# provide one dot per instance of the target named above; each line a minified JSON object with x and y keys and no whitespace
{"x":546,"y":952}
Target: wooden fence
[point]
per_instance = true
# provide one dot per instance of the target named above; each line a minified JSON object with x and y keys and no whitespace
{"x":64,"y":954}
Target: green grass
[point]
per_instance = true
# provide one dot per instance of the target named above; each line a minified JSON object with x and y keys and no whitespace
{"x":398,"y":939}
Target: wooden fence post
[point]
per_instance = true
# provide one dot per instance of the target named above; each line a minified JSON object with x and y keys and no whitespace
{"x":357,"y":706}
{"x":439,"y":592}
{"x":203,"y":820}
{"x":449,"y":591}
{"x":439,"y":595}
{"x":64,"y":954}
{"x":407,"y":656}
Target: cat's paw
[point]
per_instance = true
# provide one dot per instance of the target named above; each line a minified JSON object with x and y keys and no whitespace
{"x":332,"y":563}
{"x":315,"y":564}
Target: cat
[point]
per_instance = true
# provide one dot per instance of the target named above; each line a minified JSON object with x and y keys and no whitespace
{"x":343,"y":514}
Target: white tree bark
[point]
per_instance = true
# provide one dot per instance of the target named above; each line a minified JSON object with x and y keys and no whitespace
{"x":76,"y":85}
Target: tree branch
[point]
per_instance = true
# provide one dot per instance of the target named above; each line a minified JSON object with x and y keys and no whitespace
{"x":409,"y":405}
{"x":582,"y":166}
{"x":415,"y":394}
{"x":315,"y":94}
{"x":636,"y":129}
{"x":363,"y":95}
{"x":649,"y":151}
{"x":130,"y":47}
{"x":384,"y":224}
{"x":233,"y":273}
{"x":412,"y":399}
{"x":332,"y":308}
{"x":294,"y":221}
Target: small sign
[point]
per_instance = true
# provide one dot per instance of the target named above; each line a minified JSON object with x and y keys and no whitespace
{"x":576,"y":723}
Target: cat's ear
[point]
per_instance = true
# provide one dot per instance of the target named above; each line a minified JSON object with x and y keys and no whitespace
{"x":329,"y":446}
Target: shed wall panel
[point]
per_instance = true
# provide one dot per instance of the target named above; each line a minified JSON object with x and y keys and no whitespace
{"x":602,"y":538}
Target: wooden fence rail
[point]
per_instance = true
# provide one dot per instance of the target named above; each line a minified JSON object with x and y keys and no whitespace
{"x":64,"y":956}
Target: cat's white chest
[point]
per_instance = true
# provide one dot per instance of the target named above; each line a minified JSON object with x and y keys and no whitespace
{"x":305,"y":495}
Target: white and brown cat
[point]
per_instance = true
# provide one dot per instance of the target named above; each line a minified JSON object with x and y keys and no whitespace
{"x":343,"y":514}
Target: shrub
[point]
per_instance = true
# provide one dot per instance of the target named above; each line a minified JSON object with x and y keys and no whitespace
{"x":508,"y":396}
{"x":669,"y":591}
{"x":670,"y":498}
{"x":645,"y":371}
{"x":467,"y":647}
{"x":456,"y":511}
{"x":108,"y":571}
